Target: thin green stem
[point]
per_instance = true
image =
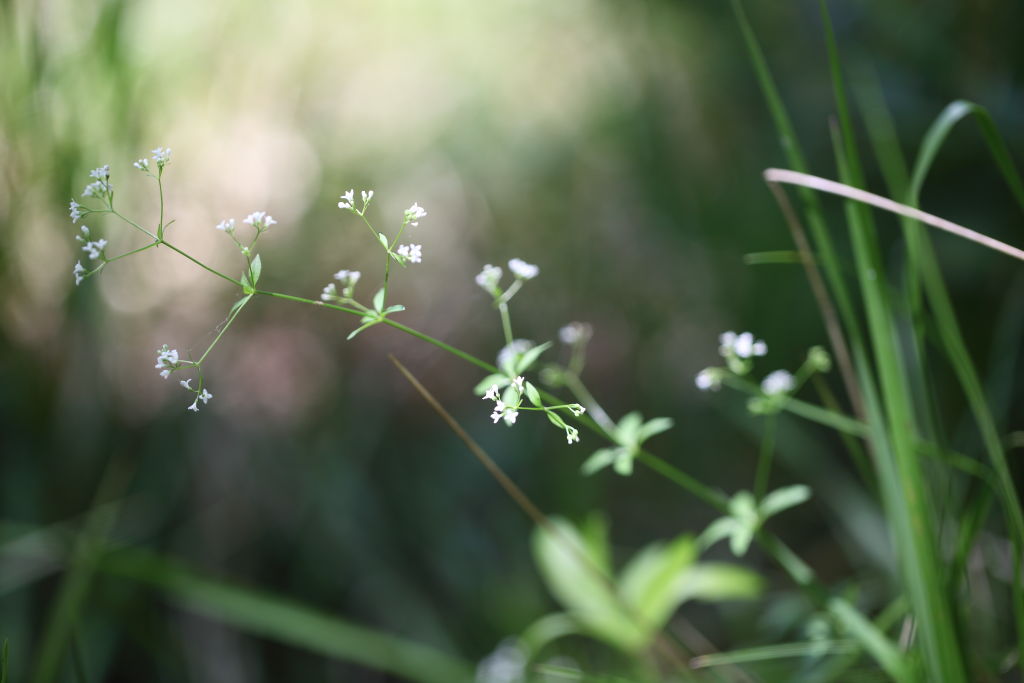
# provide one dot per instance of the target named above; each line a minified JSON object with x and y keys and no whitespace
{"x":201,"y":264}
{"x":583,"y":395}
{"x":133,"y":251}
{"x":130,"y":222}
{"x":764,"y":461}
{"x":506,"y":322}
{"x":227,"y":324}
{"x":160,"y":189}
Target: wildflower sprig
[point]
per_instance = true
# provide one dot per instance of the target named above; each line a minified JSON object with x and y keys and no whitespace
{"x":747,"y":515}
{"x":738,"y":350}
{"x":489,"y":279}
{"x":403,"y":254}
{"x":629,"y":434}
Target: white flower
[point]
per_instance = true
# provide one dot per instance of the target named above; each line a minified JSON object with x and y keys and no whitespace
{"x":166,"y":360}
{"x":75,"y":211}
{"x":576,"y":409}
{"x":94,"y":249}
{"x":414,"y":213}
{"x":162,"y":156}
{"x":142,"y":164}
{"x":708,"y":378}
{"x":330,"y":292}
{"x":187,"y":383}
{"x":367,"y":196}
{"x":348,"y":280}
{"x":489,"y":277}
{"x":523,"y":270}
{"x":492,"y":393}
{"x":97,"y":188}
{"x":742,"y":345}
{"x":78,"y":273}
{"x":518,"y":383}
{"x":348,"y":277}
{"x":347,"y":199}
{"x":510,"y":416}
{"x":227,"y":225}
{"x":259,"y":220}
{"x":499,"y":409}
{"x":205,"y":397}
{"x":574,"y":333}
{"x":412,"y":252}
{"x":516,"y":348}
{"x":84,"y":237}
{"x":778,"y":382}
{"x":572,"y":435}
{"x":101,"y":173}
{"x":195,"y":406}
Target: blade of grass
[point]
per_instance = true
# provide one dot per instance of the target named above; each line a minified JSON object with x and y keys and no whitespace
{"x":284,"y":621}
{"x":911,"y":509}
{"x":826,"y":253}
{"x":819,"y":648}
{"x":872,"y":639}
{"x":77,"y":581}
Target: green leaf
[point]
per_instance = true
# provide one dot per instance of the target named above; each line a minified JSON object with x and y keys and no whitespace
{"x":598,"y":461}
{"x":627,"y":429}
{"x":719,"y":529}
{"x":884,"y":651}
{"x":490,"y":380}
{"x":533,"y":395}
{"x":383,"y":240}
{"x":624,"y":462}
{"x":720,"y":581}
{"x":396,"y":308}
{"x":653,"y":427}
{"x":378,"y":300}
{"x":742,"y":535}
{"x":284,"y":621}
{"x":546,"y":630}
{"x":570,"y":571}
{"x":652,"y":584}
{"x":359,"y":329}
{"x":238,"y":304}
{"x":814,"y":649}
{"x":783,"y":499}
{"x":529,"y":357}
{"x":246,"y":283}
{"x":255,"y":268}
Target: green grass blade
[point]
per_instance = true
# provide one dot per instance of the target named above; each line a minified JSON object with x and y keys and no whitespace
{"x":819,"y":648}
{"x":826,"y":254}
{"x":287,"y":622}
{"x":4,"y":655}
{"x":872,"y":639}
{"x":911,"y":508}
{"x":949,"y":330}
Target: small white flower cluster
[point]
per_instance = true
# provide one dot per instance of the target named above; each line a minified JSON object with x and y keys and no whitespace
{"x":411,"y":252}
{"x":100,"y":187}
{"x":257,"y":219}
{"x":348,"y":201}
{"x":778,"y":382}
{"x":489,"y":279}
{"x":742,"y":345}
{"x":347,"y":279}
{"x":227,"y":225}
{"x":76,"y":211}
{"x":509,"y":411}
{"x":575,"y":333}
{"x":162,"y":156}
{"x":92,"y":248}
{"x":413,"y":214}
{"x":709,"y":379}
{"x":523,"y":270}
{"x":79,"y":272}
{"x":167,"y":361}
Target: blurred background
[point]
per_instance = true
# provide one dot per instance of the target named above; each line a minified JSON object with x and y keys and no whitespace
{"x":617,"y":145}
